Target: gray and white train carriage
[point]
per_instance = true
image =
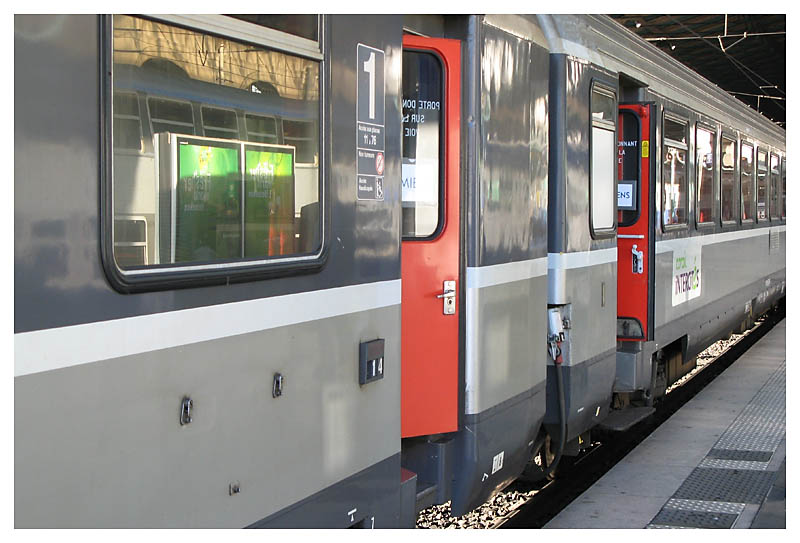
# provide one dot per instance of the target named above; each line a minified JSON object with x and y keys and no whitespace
{"x":293,"y":274}
{"x":209,"y":298}
{"x":706,"y":225}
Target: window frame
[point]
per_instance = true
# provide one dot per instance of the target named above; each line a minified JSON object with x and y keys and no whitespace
{"x":442,"y":215}
{"x":753,"y":207}
{"x":603,"y":87}
{"x":700,"y":125}
{"x":737,"y":191}
{"x":765,"y":150}
{"x":675,"y":117}
{"x":177,"y":275}
{"x":774,"y":154}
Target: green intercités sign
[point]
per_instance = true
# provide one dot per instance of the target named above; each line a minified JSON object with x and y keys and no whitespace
{"x":686,"y":273}
{"x":213,"y":192}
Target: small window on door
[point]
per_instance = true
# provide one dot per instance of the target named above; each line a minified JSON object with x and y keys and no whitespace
{"x":423,"y":125}
{"x":628,"y":163}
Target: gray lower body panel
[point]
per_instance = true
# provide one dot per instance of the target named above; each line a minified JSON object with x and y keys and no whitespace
{"x":493,"y":447}
{"x":588,"y":387}
{"x":368,"y":499}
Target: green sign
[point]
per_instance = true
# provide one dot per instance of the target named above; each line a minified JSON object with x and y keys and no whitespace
{"x":208,"y":201}
{"x":269,"y":201}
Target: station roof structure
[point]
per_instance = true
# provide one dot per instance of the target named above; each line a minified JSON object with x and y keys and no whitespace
{"x":745,"y":55}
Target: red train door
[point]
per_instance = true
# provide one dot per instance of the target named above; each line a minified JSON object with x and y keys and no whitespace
{"x":635,"y":235}
{"x":430,"y":246}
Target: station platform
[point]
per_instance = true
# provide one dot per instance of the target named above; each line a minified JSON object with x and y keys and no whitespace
{"x":719,"y":462}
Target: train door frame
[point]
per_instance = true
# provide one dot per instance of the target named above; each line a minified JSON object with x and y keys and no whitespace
{"x":430,"y":393}
{"x":651,"y":110}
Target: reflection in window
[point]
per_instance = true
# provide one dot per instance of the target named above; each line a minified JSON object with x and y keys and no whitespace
{"x":762,"y":187}
{"x":603,"y":156}
{"x":206,"y":195}
{"x":774,"y":179}
{"x":728,"y":180}
{"x":705,"y":174}
{"x":746,"y":174}
{"x":673,"y":172}
{"x":219,"y":123}
{"x":422,"y":143}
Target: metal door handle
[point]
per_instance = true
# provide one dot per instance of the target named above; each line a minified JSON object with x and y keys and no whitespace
{"x":448,"y":297}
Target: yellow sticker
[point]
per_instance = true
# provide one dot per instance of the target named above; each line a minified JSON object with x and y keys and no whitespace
{"x":645,"y":149}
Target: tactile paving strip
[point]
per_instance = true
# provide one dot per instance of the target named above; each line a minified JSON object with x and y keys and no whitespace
{"x":732,"y":464}
{"x":704,"y":506}
{"x":733,"y":473}
{"x":737,"y":454}
{"x":694,"y":519}
{"x":725,"y":485}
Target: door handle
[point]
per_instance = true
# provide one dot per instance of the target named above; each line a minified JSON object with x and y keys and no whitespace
{"x":448,"y":297}
{"x":638,"y":260}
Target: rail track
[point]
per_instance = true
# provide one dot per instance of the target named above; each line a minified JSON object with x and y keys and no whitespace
{"x":532,"y":505}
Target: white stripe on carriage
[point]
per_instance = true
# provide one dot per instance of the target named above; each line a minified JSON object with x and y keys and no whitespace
{"x":667,"y":245}
{"x":581,"y":259}
{"x":499,"y":274}
{"x":55,"y":348}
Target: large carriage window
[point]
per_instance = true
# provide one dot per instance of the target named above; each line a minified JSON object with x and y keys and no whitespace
{"x":728,"y":180}
{"x":774,"y":179}
{"x":705,"y":158}
{"x":747,"y":183}
{"x":603,"y":157}
{"x":673,"y":172}
{"x":224,"y":185}
{"x":423,"y":102}
{"x":762,"y":188}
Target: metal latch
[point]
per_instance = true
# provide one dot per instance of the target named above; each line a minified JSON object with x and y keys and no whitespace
{"x":638,"y":260}
{"x":449,"y":297}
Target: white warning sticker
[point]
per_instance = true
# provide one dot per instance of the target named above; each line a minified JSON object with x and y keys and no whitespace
{"x":497,"y":462}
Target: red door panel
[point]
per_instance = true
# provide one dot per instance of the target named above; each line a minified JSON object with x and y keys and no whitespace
{"x":429,"y":378}
{"x":634,"y":234}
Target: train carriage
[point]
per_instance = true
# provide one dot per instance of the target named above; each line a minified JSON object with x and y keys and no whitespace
{"x":278,"y":271}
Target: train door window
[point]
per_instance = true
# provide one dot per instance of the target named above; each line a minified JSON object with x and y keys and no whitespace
{"x":603,"y":156}
{"x":628,"y":189}
{"x":261,"y":129}
{"x":728,"y":208}
{"x":300,"y":135}
{"x":127,"y":122}
{"x":783,"y":188}
{"x":774,"y":179}
{"x":762,"y":188}
{"x":212,"y":200}
{"x":747,"y":183}
{"x":705,"y":158}
{"x":219,"y":123}
{"x":673,"y":172}
{"x":423,"y":128}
